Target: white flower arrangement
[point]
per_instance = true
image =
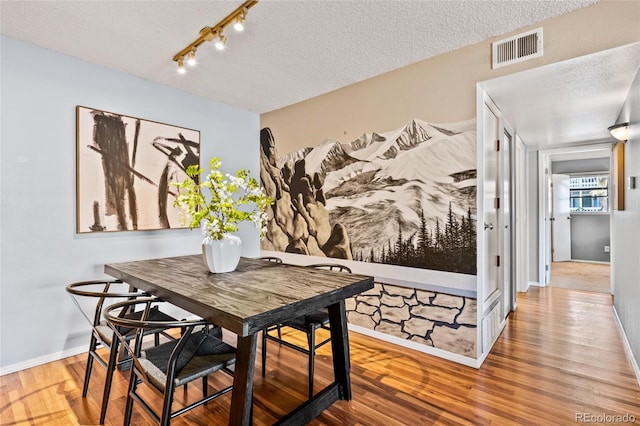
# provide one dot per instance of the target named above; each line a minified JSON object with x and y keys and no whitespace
{"x":232,"y":199}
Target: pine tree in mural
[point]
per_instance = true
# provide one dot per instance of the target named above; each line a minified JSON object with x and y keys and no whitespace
{"x":452,"y":249}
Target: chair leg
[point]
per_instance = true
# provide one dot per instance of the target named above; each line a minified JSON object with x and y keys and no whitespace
{"x":279,"y":333}
{"x":205,"y":386}
{"x":165,"y":419}
{"x":311,"y":339}
{"x":123,"y":362}
{"x":87,"y":373}
{"x":264,"y":352}
{"x":156,"y":339}
{"x":251,"y":410}
{"x":111,"y":367}
{"x":133,"y":383}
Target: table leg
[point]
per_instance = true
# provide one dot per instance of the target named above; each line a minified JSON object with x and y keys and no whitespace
{"x":340,"y":348}
{"x":241,"y":396}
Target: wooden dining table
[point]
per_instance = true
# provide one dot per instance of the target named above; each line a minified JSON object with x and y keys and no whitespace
{"x":256,"y":295}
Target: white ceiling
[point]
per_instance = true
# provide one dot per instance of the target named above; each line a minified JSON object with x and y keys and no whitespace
{"x":290,"y":51}
{"x":570,"y":102}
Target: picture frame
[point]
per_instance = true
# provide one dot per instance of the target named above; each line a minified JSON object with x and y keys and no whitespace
{"x":125,"y":167}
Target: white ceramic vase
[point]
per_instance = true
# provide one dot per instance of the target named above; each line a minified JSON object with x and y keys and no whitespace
{"x":221,"y":255}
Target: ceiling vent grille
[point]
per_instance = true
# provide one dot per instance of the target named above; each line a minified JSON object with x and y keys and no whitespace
{"x":518,"y":48}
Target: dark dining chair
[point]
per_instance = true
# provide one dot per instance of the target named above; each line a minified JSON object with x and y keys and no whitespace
{"x":102,"y":335}
{"x":196,"y":354}
{"x":308,"y":324}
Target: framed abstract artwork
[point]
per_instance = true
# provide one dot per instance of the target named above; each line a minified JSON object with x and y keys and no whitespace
{"x":125,"y":167}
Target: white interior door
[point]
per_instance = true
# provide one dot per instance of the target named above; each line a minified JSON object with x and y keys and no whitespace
{"x":547,"y":215}
{"x":521,"y":220}
{"x":490,"y":215}
{"x":506,"y":223}
{"x":561,"y":219}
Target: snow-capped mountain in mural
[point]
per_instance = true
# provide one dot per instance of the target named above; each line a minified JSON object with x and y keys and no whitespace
{"x":404,"y":197}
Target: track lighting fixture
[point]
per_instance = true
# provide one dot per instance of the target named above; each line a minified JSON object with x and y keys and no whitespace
{"x":237,"y":18}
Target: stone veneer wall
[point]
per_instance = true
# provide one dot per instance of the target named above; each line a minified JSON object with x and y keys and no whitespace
{"x":434,"y":319}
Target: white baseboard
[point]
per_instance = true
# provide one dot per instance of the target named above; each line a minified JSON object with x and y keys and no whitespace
{"x":440,"y":353}
{"x":627,"y":346}
{"x":534,"y":284}
{"x":56,"y":356}
{"x":42,"y":360}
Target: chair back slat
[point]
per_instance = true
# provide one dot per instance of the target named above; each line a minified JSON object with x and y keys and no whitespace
{"x":270,"y":259}
{"x":331,"y":267}
{"x":101,"y":290}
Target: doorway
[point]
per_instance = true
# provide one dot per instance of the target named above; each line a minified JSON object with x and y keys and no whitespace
{"x":576,"y":217}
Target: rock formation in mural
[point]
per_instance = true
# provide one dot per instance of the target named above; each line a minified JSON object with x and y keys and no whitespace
{"x":405,"y":197}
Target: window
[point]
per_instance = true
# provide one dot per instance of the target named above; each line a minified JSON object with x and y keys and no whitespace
{"x":589,"y":193}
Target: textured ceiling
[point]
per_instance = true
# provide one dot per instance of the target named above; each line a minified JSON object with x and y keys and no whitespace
{"x":569,"y":102}
{"x":290,"y":50}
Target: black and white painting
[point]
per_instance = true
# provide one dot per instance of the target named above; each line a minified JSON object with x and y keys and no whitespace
{"x":401,"y":197}
{"x":125,"y":167}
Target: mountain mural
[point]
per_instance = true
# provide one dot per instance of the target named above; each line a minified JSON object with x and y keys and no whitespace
{"x":404,"y":197}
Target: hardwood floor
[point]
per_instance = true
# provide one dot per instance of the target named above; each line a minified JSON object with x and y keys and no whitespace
{"x":581,"y":276}
{"x":561,"y":354}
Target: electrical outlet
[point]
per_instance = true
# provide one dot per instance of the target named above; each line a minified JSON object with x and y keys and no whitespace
{"x":606,"y":249}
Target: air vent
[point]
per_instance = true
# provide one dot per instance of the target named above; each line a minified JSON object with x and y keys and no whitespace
{"x":517,"y":48}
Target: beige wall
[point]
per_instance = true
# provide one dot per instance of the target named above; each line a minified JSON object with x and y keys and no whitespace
{"x":443,"y":88}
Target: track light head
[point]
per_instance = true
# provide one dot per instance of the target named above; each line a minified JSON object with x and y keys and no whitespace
{"x":220,"y":42}
{"x":191,"y":58}
{"x":181,"y":69}
{"x":239,"y":24}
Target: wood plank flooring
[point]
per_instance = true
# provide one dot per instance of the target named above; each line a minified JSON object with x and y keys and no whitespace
{"x":581,"y":276}
{"x":561,"y":354}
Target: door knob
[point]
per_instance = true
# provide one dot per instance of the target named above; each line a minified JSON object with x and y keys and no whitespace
{"x":488,"y":226}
